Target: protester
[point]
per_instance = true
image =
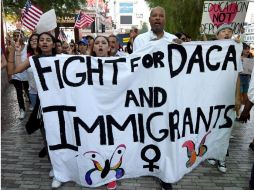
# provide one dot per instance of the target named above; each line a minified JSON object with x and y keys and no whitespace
{"x":65,"y":48}
{"x":157,"y":21}
{"x":101,"y":49}
{"x":244,"y":78}
{"x":225,"y":31}
{"x":32,"y":50}
{"x":114,"y":46}
{"x":46,"y":47}
{"x":59,"y":47}
{"x":20,"y":80}
{"x":73,"y":50}
{"x":83,"y":46}
{"x":90,"y":40}
{"x":245,"y":115}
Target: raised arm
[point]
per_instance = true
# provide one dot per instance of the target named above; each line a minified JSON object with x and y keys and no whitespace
{"x":13,"y":68}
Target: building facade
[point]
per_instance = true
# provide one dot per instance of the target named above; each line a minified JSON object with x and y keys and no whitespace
{"x":249,"y":34}
{"x":128,"y":13}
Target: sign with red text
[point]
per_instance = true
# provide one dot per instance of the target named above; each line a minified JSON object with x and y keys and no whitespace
{"x":159,"y":112}
{"x":216,"y":13}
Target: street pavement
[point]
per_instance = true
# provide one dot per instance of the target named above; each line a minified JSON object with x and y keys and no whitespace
{"x":21,"y":168}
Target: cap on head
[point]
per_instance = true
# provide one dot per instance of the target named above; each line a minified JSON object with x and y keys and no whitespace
{"x":19,"y":32}
{"x":83,"y":41}
{"x":223,"y":27}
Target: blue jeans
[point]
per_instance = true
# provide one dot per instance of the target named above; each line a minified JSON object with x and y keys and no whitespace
{"x":33,"y":98}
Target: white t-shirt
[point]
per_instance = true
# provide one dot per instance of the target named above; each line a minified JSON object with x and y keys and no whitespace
{"x":142,"y":39}
{"x":251,"y":88}
{"x":21,"y":76}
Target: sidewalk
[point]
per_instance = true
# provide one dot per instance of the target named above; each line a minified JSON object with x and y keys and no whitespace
{"x":23,"y":169}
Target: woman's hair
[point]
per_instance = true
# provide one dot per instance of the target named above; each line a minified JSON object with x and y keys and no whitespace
{"x":179,"y":34}
{"x":53,"y":39}
{"x":245,"y":46}
{"x":93,"y":53}
{"x":30,"y":50}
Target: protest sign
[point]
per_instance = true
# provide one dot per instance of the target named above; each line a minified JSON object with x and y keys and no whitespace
{"x":248,"y":65}
{"x":157,"y":112}
{"x":216,"y":13}
{"x":47,"y":22}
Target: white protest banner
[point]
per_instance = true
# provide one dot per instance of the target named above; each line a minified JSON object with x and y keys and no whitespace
{"x":216,"y":13}
{"x":248,"y":65}
{"x":158,"y":112}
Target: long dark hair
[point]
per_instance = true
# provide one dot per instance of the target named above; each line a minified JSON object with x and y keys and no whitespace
{"x":30,"y":50}
{"x":93,"y":53}
{"x":53,"y":39}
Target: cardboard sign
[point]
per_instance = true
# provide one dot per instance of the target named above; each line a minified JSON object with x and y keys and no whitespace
{"x":216,"y":13}
{"x":47,"y":22}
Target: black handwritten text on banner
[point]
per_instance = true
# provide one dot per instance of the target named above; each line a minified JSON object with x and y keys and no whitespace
{"x":159,"y":111}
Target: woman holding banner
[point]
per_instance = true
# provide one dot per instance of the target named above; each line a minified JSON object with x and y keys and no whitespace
{"x":46,"y":47}
{"x":101,"y":48}
{"x":225,"y":31}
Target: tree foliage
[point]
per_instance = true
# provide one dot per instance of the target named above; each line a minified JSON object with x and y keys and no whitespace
{"x":62,"y":7}
{"x":144,"y":28}
{"x":181,"y":15}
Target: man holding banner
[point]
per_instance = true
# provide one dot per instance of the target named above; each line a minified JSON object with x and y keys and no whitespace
{"x":225,"y":31}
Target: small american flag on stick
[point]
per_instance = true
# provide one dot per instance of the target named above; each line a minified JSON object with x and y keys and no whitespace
{"x":83,"y":20}
{"x":30,"y":15}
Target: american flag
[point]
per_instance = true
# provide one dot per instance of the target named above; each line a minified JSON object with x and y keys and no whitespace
{"x":30,"y":15}
{"x":83,"y":20}
{"x":62,"y":35}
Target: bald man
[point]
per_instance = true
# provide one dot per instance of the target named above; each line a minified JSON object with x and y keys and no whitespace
{"x":157,"y":22}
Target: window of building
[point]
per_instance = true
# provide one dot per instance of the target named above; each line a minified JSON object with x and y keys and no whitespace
{"x":125,"y":19}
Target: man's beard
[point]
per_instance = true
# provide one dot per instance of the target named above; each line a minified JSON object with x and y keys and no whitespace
{"x":157,"y":30}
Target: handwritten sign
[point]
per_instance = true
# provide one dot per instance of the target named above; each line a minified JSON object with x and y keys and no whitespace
{"x":216,"y":13}
{"x":158,"y":112}
{"x":248,"y":65}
